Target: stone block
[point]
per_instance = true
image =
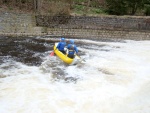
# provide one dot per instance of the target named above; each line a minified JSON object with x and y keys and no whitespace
{"x":39,"y":29}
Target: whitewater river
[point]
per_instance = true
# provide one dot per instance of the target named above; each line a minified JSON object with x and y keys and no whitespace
{"x":114,"y":79}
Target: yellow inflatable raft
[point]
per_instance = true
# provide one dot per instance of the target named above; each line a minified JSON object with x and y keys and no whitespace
{"x":64,"y":57}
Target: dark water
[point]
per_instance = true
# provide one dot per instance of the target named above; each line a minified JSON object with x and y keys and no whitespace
{"x":27,"y":50}
{"x":30,"y":50}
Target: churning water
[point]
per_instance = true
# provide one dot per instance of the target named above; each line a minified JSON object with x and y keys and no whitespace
{"x":114,"y":79}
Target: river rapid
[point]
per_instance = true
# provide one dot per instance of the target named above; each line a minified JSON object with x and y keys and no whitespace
{"x":114,"y":79}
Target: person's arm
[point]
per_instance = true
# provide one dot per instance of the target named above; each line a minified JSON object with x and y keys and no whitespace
{"x":68,"y":47}
{"x":76,"y":49}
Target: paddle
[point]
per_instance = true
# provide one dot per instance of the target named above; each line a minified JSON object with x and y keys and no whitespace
{"x":80,"y":58}
{"x":52,"y":53}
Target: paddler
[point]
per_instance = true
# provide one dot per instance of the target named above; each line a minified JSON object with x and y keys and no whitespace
{"x":72,"y":49}
{"x":61,"y":45}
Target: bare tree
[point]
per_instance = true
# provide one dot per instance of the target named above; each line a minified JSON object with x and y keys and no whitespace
{"x":37,"y":5}
{"x":87,"y":7}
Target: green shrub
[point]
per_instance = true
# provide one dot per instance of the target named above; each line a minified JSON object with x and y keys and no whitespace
{"x":97,"y":10}
{"x":147,"y":10}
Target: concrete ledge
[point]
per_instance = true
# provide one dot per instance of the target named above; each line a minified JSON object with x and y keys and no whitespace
{"x":86,"y":33}
{"x":22,"y":34}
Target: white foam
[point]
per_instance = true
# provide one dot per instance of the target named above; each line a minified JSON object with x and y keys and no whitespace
{"x":115,"y":81}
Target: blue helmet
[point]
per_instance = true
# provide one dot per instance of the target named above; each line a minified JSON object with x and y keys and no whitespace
{"x":72,"y":41}
{"x":62,"y":39}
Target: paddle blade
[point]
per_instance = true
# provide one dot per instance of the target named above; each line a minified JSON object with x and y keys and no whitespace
{"x":52,"y":53}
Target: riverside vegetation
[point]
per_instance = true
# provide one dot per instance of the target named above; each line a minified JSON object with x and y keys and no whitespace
{"x":82,"y":7}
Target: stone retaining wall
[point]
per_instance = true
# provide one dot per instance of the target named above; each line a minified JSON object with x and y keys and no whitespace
{"x":18,"y":24}
{"x":91,"y":22}
{"x":75,"y":26}
{"x":90,"y":33}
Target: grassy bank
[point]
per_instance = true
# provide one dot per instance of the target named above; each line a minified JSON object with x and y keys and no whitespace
{"x":82,"y":10}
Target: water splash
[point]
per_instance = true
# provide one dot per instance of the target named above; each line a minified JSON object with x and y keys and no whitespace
{"x":113,"y":81}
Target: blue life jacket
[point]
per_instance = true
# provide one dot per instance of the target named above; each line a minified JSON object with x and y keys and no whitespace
{"x":72,"y":49}
{"x":61,"y":46}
